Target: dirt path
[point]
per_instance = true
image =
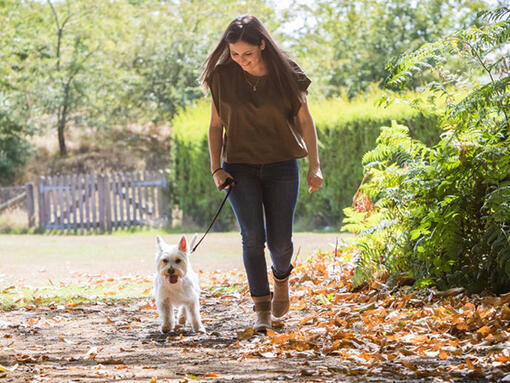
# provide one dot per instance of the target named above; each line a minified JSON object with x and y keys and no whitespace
{"x":355,"y":337}
{"x":121,"y":342}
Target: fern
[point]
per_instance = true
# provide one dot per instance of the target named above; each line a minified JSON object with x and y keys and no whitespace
{"x":442,"y":214}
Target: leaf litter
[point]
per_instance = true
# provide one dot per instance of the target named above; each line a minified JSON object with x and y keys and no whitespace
{"x":334,"y":332}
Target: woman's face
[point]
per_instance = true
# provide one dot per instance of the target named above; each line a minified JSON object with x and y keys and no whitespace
{"x":248,"y":56}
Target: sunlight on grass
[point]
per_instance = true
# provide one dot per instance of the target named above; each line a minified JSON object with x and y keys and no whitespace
{"x":70,"y":294}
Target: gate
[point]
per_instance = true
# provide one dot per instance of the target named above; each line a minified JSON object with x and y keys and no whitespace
{"x":83,"y":202}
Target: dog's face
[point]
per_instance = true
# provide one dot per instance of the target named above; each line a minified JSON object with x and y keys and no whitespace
{"x":172,"y":260}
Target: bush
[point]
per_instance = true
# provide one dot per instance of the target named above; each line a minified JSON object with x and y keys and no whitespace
{"x":14,"y":147}
{"x":346,"y":130}
{"x":442,"y":213}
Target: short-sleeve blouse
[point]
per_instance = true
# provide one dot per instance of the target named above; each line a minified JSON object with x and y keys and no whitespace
{"x":260,"y":126}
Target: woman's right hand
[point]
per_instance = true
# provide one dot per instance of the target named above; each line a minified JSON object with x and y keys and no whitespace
{"x":220,"y":177}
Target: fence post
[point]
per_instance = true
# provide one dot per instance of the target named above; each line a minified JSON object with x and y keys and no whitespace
{"x":100,"y":201}
{"x":163,"y":199}
{"x":30,"y":204}
{"x":40,"y":200}
{"x":103,"y":191}
{"x":107,"y":202}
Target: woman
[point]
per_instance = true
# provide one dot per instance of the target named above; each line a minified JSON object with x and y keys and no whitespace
{"x":260,"y":124}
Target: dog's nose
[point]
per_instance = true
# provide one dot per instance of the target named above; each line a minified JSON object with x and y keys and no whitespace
{"x":171,"y":270}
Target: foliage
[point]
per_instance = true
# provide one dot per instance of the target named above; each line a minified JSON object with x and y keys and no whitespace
{"x":172,"y":42}
{"x":191,"y":185}
{"x":346,"y":43}
{"x":14,"y":147}
{"x":346,"y":130}
{"x":444,"y":212}
{"x":100,"y":64}
{"x":14,"y":103}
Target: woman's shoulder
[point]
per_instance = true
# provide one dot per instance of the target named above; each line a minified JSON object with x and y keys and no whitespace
{"x":296,"y":68}
{"x":302,"y":79}
{"x":225,"y":68}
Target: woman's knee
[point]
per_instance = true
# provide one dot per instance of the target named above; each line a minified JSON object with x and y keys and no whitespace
{"x":253,"y":239}
{"x":281,"y":249}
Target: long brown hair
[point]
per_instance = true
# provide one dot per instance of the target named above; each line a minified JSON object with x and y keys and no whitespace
{"x":250,"y":30}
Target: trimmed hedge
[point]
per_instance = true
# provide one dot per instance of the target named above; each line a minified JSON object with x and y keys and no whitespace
{"x":346,"y":130}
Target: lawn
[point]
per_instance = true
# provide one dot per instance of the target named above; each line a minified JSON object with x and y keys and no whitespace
{"x":37,"y":259}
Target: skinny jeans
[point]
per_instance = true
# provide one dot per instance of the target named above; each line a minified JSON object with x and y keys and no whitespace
{"x":264,"y":200}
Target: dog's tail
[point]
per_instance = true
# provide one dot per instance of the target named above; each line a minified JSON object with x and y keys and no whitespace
{"x":192,"y":242}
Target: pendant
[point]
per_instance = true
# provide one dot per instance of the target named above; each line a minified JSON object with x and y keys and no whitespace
{"x":254,"y":88}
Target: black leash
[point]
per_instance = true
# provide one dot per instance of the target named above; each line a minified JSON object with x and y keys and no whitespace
{"x":229,"y":182}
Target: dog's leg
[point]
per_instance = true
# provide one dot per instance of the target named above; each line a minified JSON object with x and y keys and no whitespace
{"x":196,"y":322}
{"x":166,"y":312}
{"x":182,"y":316}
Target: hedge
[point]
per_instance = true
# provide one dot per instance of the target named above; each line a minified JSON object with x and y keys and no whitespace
{"x":346,"y":130}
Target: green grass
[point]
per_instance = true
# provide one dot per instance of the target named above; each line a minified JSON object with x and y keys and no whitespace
{"x":71,"y":294}
{"x":68,"y":295}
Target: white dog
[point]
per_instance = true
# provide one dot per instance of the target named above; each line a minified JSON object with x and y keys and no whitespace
{"x":176,"y":285}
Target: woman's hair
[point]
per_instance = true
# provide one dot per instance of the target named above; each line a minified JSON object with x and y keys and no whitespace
{"x":250,"y":30}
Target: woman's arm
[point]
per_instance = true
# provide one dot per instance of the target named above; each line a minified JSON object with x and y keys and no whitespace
{"x":215,"y":146}
{"x":310,"y":136}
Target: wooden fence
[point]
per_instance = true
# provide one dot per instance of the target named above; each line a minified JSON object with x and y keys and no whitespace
{"x":103,"y":202}
{"x":14,"y":196}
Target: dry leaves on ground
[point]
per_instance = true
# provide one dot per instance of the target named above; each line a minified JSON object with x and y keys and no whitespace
{"x":406,"y":333}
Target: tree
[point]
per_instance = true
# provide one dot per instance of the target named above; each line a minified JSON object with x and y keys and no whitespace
{"x":81,"y":44}
{"x":15,"y":102}
{"x":349,"y":42}
{"x":172,"y":44}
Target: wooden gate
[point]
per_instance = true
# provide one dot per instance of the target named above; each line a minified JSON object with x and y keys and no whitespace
{"x":103,"y":201}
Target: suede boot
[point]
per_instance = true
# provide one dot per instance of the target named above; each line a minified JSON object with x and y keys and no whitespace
{"x":262,"y":307}
{"x":281,"y":303}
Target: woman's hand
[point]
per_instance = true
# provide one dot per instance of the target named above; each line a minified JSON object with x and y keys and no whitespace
{"x":314,"y":178}
{"x":220,"y":176}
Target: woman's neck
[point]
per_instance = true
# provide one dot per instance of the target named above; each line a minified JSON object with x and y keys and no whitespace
{"x":259,"y":70}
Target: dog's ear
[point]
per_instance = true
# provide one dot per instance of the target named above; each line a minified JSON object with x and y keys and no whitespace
{"x":183,"y":245}
{"x":159,"y":242}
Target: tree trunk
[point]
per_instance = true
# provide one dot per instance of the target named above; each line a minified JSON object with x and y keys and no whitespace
{"x":62,"y":121}
{"x":61,"y":138}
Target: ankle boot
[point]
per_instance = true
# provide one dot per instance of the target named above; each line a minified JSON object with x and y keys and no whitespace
{"x":281,"y":303}
{"x":262,"y":307}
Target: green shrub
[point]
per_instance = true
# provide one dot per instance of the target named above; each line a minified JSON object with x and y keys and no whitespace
{"x":346,"y":130}
{"x":191,"y":186}
{"x":442,"y":213}
{"x":14,"y":147}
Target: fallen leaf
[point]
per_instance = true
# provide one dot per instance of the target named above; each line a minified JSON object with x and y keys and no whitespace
{"x":246,"y":334}
{"x":92,"y":353}
{"x":470,"y":364}
{"x":484,"y":331}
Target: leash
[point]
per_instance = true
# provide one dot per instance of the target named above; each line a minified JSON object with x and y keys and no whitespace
{"x":229,"y":182}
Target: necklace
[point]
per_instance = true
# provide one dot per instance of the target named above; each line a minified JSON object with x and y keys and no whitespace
{"x":253,"y":86}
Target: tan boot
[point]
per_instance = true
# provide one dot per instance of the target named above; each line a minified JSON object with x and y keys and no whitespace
{"x":281,"y":303}
{"x":262,"y":308}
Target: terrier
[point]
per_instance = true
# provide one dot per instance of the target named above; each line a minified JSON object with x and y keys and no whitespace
{"x":176,"y":285}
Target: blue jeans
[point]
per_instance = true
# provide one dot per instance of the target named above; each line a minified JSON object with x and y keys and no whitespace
{"x":264,"y":200}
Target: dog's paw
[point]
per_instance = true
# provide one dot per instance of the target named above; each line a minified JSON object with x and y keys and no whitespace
{"x":166,"y":327}
{"x":200,"y":329}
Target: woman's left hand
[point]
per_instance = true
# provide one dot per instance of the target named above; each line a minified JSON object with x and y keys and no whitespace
{"x":314,"y":178}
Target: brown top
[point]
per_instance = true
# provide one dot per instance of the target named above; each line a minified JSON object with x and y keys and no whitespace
{"x":260,"y":126}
